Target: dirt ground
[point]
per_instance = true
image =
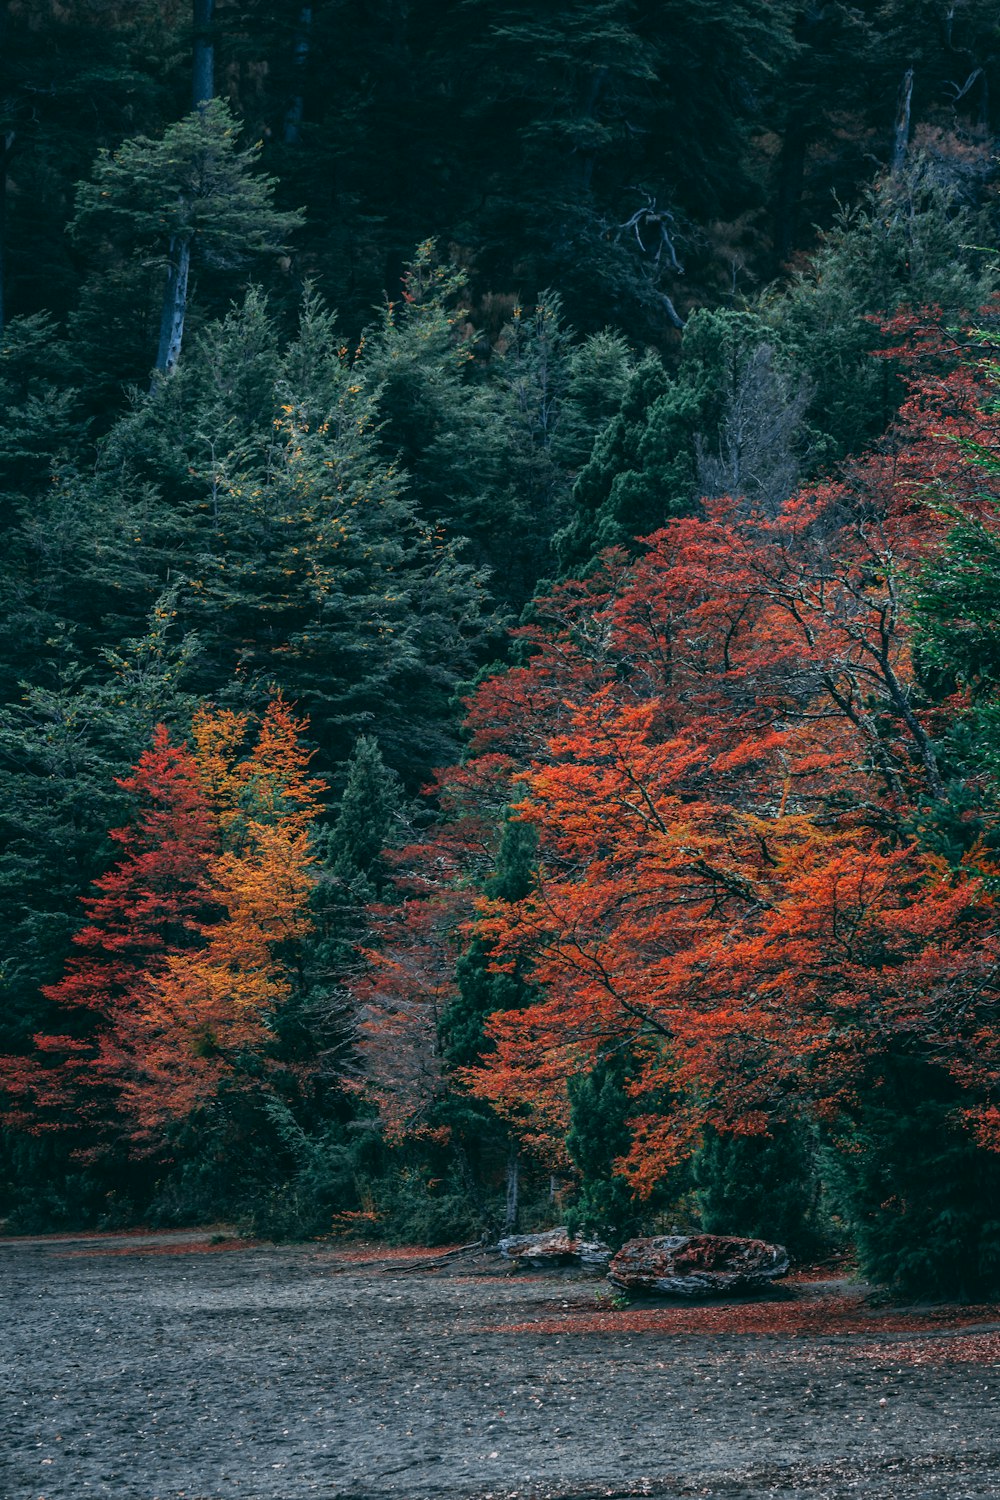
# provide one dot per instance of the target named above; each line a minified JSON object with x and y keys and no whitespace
{"x":166,"y":1367}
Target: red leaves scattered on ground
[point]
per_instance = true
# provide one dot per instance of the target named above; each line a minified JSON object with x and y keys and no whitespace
{"x":830,"y":1315}
{"x":177,"y":1247}
{"x":974,"y":1349}
{"x":376,"y":1254}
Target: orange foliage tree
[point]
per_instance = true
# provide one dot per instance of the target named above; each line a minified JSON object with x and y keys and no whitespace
{"x":728,"y":755}
{"x":191,"y":949}
{"x":211,"y":1008}
{"x":152,"y":905}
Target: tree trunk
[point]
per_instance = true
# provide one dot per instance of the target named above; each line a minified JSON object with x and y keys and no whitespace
{"x":174,"y":306}
{"x":791,"y":181}
{"x":300,"y":57}
{"x":585,"y":160}
{"x":203,"y":62}
{"x":513,"y":1188}
{"x":901,"y":134}
{"x":6,"y":141}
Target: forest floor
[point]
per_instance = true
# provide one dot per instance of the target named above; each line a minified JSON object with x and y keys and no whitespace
{"x":187,"y":1366}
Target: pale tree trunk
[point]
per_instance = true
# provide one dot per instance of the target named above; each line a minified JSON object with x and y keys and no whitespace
{"x":203,"y":62}
{"x":6,"y":142}
{"x":901,"y":134}
{"x":513,"y":1188}
{"x":174,"y":306}
{"x":296,"y":109}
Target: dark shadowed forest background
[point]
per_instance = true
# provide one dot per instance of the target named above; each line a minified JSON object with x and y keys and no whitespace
{"x":500,"y":598}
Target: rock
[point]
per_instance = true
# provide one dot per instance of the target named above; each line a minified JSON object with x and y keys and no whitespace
{"x":593,"y":1252}
{"x":696,"y":1265}
{"x":555,"y":1247}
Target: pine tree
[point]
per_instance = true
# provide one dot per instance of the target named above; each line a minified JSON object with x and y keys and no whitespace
{"x":762,"y":1186}
{"x":728,"y":422}
{"x":918,"y":1193}
{"x":911,"y":242}
{"x":599,"y":1135}
{"x":317,"y":573}
{"x":191,"y":193}
{"x":350,"y":871}
{"x":369,"y":806}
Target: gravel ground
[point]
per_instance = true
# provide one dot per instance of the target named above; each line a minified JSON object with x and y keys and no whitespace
{"x":147,"y":1368}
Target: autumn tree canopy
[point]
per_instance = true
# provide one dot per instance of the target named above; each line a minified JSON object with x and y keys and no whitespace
{"x":190,"y":950}
{"x":762,"y":871}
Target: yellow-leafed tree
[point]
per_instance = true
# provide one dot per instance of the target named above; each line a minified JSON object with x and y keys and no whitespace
{"x":209,"y":1014}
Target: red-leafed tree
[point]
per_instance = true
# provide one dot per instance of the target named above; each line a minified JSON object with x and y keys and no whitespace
{"x":728,"y":881}
{"x":190,"y":949}
{"x":210,"y":1008}
{"x":727,"y":752}
{"x":153,"y":905}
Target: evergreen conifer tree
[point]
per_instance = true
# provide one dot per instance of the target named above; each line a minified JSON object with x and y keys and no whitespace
{"x":599,"y":1134}
{"x":191,"y":193}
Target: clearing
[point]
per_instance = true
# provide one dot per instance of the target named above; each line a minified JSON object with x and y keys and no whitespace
{"x":173,"y":1367}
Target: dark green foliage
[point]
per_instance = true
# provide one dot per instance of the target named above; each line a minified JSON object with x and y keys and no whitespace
{"x":259,"y":1161}
{"x":914,"y":240}
{"x":481,"y":989}
{"x":919,"y":1196}
{"x":574,"y":116}
{"x":193,"y":183}
{"x":599,"y":1134}
{"x":491,"y":436}
{"x":73,"y":78}
{"x":41,"y":407}
{"x":350,"y":874}
{"x":763,"y":1187}
{"x":42,"y":1190}
{"x":347,"y":507}
{"x":957,"y":607}
{"x":618,"y":494}
{"x":485,"y":1148}
{"x":730,"y":421}
{"x":956,"y":614}
{"x":253,"y":482}
{"x":369,"y":807}
{"x":424,"y":1204}
{"x":61,"y":748}
{"x":192,"y":193}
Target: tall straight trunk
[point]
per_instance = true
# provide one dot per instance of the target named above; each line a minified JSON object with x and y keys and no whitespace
{"x":174,"y":306}
{"x":6,"y":142}
{"x":513,"y":1188}
{"x":300,"y":57}
{"x":791,"y":181}
{"x":584,"y":161}
{"x":203,"y":62}
{"x":901,"y":133}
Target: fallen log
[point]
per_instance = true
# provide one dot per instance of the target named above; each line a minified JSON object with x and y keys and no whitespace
{"x":696,"y":1265}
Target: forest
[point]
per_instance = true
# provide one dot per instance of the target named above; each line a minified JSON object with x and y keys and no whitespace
{"x":500,"y":598}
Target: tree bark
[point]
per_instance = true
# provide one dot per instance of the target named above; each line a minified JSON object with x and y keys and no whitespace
{"x":203,"y":61}
{"x":6,"y":142}
{"x":174,"y":306}
{"x":791,"y":181}
{"x":513,"y":1188}
{"x":300,"y":57}
{"x":901,"y":134}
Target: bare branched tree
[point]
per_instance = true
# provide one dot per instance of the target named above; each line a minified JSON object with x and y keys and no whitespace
{"x":757,"y":451}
